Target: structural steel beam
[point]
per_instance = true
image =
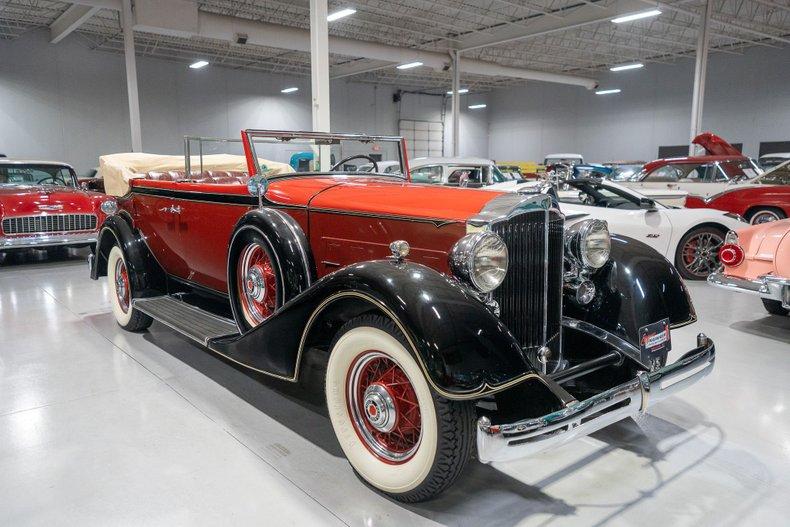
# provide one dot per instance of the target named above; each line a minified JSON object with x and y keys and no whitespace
{"x":319,"y":73}
{"x":71,"y":19}
{"x":127,"y":22}
{"x":700,"y":70}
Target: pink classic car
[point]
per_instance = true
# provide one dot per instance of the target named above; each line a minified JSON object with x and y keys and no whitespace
{"x":757,"y":260}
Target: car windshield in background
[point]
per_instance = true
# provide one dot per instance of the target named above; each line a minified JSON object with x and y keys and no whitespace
{"x":597,"y":195}
{"x":562,"y":161}
{"x":32,"y":174}
{"x":770,"y":162}
{"x":625,"y":172}
{"x":778,"y":176}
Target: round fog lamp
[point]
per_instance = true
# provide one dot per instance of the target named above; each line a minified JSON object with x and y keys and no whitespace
{"x":585,"y":292}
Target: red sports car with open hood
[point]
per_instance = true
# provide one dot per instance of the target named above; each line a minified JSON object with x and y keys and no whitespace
{"x":41,"y":205}
{"x":445,"y":316}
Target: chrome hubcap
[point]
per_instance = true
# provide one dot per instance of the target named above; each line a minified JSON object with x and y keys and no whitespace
{"x":380,"y":408}
{"x":256,"y":284}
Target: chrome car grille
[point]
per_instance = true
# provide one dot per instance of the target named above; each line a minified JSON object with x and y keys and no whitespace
{"x":530,"y":297}
{"x":49,"y":223}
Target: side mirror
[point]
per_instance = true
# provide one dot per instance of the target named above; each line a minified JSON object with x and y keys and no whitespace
{"x":257,"y":186}
{"x":647,"y":204}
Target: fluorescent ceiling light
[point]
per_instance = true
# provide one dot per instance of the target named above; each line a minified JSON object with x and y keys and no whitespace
{"x":409,"y":65}
{"x":476,"y":106}
{"x":623,"y":67}
{"x":289,"y":90}
{"x":462,"y":90}
{"x":607,"y":92}
{"x":636,"y":16}
{"x":199,"y":64}
{"x":343,"y":13}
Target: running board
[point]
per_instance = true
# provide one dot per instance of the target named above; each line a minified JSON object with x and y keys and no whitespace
{"x":191,"y":321}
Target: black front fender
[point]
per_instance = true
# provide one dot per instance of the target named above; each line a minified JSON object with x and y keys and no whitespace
{"x":464,"y":350}
{"x":636,"y":288}
{"x":144,"y":272}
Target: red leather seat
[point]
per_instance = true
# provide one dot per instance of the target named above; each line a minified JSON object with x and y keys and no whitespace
{"x":219,"y":177}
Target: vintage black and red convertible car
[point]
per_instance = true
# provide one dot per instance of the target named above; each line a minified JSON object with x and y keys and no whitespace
{"x":42,"y":206}
{"x":452,"y":318}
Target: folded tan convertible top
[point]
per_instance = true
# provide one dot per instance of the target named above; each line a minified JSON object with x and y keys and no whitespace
{"x":118,"y":169}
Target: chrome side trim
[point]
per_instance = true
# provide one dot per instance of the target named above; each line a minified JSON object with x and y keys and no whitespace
{"x":46,"y":240}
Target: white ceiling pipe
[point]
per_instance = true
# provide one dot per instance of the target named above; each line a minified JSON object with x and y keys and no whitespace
{"x":221,"y":27}
{"x":271,"y":35}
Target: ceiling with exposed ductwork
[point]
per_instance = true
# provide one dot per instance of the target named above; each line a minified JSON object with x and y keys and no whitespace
{"x":572,"y":37}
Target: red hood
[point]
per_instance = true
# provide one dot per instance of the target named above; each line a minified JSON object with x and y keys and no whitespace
{"x":715,"y":145}
{"x":24,"y":200}
{"x":399,"y":198}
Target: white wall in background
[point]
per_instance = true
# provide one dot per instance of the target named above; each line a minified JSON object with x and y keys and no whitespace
{"x":747,"y":100}
{"x":66,"y":102}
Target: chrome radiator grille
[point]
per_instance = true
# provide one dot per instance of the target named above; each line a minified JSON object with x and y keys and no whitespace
{"x":530,"y":298}
{"x":49,"y":223}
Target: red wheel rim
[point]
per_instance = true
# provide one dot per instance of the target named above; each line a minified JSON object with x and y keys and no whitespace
{"x":383,"y":407}
{"x":256,"y":284}
{"x":122,"y":289}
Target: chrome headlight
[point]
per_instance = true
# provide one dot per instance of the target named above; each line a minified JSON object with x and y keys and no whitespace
{"x":109,"y":207}
{"x":589,"y":243}
{"x":480,"y":259}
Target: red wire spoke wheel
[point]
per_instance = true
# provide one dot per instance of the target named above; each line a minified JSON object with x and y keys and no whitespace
{"x":256,"y":283}
{"x":122,"y":289}
{"x":401,"y":437}
{"x":383,"y":407}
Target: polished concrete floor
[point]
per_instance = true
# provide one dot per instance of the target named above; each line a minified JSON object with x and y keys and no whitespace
{"x":103,"y":427}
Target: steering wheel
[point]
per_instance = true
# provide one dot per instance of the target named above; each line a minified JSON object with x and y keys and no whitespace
{"x":54,"y":180}
{"x":357,"y":156}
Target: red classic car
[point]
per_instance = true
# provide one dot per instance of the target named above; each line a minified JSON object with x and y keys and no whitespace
{"x":446,"y":316}
{"x":720,"y":166}
{"x":757,"y":261}
{"x":41,"y":205}
{"x":765,"y":198}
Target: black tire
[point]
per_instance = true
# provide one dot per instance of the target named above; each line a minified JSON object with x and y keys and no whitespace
{"x":454,"y":423}
{"x":126,"y":316}
{"x":706,"y":260}
{"x":764,"y":215}
{"x":244,"y":239}
{"x":775,"y":307}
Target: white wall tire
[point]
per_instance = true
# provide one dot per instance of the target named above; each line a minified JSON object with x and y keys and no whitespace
{"x":121,"y":293}
{"x":446,"y":427}
{"x":762,"y":215}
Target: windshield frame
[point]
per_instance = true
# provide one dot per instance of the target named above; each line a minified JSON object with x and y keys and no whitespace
{"x":249,"y":135}
{"x":627,"y":194}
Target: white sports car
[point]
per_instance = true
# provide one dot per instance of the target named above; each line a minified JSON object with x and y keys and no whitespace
{"x":690,"y":238}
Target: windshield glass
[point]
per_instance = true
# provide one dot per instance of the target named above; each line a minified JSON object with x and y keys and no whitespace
{"x":778,"y":176}
{"x":562,"y":161}
{"x":32,"y":174}
{"x":625,"y":172}
{"x":598,"y":195}
{"x":772,"y":161}
{"x":310,"y":152}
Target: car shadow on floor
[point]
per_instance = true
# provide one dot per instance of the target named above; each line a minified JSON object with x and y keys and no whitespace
{"x":774,"y":327}
{"x":482,"y":493}
{"x":40,"y":257}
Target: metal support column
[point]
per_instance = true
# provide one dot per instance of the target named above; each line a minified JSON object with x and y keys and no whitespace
{"x":319,"y":70}
{"x":127,"y":22}
{"x":456,"y":99}
{"x":700,"y":69}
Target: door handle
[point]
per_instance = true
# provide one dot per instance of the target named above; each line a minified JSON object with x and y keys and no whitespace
{"x":171,"y":209}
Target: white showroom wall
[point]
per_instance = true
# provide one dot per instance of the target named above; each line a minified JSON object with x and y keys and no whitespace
{"x":66,"y":102}
{"x":747,"y":100}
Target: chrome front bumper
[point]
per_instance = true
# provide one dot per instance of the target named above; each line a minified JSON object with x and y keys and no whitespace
{"x":771,"y":287}
{"x":506,"y":442}
{"x":46,"y":240}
